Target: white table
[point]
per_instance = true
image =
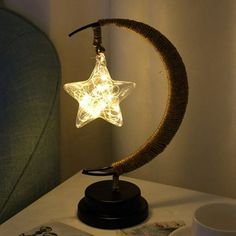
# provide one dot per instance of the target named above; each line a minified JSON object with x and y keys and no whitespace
{"x":165,"y":202}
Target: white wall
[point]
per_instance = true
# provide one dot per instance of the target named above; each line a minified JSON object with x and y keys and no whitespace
{"x":202,"y":154}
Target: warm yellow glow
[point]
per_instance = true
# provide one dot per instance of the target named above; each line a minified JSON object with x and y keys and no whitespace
{"x":99,"y":96}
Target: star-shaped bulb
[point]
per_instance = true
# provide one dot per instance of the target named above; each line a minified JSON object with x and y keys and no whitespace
{"x":99,"y":96}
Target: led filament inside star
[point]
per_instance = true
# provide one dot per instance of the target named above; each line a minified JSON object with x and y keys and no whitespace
{"x":99,"y":96}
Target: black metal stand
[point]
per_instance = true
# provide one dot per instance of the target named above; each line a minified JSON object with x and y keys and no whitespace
{"x":105,"y":208}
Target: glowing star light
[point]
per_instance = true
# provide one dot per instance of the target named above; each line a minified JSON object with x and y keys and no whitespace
{"x":99,"y":96}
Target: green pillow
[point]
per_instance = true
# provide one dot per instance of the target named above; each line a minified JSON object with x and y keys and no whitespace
{"x":29,"y":118}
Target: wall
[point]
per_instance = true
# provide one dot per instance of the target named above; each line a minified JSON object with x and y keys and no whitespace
{"x":80,"y":148}
{"x":202,"y":154}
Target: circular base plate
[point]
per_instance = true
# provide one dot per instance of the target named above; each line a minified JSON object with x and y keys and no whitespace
{"x":103,"y":208}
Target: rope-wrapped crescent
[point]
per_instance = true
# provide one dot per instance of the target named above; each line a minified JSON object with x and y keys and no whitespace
{"x":177,"y":96}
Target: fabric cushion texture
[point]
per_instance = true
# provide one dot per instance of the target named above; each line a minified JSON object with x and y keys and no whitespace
{"x":29,"y":114}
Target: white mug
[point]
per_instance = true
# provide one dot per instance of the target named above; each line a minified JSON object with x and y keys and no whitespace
{"x":216,"y":219}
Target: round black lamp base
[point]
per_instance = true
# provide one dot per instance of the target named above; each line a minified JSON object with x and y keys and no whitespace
{"x":103,"y":208}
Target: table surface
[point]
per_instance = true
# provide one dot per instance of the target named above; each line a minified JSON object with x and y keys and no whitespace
{"x":166,"y":203}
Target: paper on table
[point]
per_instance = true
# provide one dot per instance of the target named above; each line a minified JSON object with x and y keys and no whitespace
{"x":154,"y":229}
{"x":55,"y":229}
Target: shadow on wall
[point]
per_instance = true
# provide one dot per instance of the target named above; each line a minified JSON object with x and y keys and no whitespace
{"x":210,"y":124}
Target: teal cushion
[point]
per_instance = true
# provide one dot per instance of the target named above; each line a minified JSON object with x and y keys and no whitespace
{"x":29,"y":88}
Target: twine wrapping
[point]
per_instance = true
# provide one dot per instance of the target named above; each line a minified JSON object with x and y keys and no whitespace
{"x":176,"y":102}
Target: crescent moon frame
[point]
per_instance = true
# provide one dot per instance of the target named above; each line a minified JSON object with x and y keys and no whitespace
{"x":176,"y":102}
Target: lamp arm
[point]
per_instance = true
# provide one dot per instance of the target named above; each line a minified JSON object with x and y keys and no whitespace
{"x":93,"y":25}
{"x":97,"y":40}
